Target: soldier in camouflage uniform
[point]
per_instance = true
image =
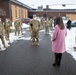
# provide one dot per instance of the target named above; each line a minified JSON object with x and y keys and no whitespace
{"x":42,"y":22}
{"x":7,"y":26}
{"x":47,"y":24}
{"x":31,"y":29}
{"x":18,"y":26}
{"x":2,"y":33}
{"x":35,"y":26}
{"x":51,"y":22}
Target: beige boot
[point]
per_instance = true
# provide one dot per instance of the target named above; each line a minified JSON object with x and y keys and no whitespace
{"x":33,"y":43}
{"x":37,"y":44}
{"x":5,"y":46}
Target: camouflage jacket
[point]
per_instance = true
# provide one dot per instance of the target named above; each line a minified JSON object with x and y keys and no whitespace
{"x":1,"y":28}
{"x":51,"y":22}
{"x":17,"y":23}
{"x":10,"y":23}
{"x":35,"y":24}
{"x":47,"y":23}
{"x":7,"y":25}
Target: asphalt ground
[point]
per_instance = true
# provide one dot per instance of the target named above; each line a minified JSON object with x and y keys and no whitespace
{"x":21,"y":58}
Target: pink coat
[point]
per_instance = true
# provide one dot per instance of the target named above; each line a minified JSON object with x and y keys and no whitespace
{"x":58,"y":40}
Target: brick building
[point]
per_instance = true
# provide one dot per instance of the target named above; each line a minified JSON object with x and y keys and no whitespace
{"x":47,"y":12}
{"x":13,"y":9}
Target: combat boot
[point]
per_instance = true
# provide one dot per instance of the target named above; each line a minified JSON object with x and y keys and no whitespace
{"x":5,"y":46}
{"x":33,"y":43}
{"x":6,"y":38}
{"x":37,"y":44}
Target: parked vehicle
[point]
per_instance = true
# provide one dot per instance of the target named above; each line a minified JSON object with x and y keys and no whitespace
{"x":73,"y":24}
{"x":26,"y":20}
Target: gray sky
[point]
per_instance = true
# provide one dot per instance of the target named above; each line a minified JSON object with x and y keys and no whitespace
{"x":70,"y":4}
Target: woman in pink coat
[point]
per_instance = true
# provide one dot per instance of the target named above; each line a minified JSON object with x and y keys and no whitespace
{"x":58,"y":40}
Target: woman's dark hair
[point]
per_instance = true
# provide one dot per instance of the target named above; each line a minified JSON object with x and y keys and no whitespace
{"x":59,"y":22}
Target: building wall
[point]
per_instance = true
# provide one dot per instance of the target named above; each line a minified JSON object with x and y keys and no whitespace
{"x":27,"y":13}
{"x":24,"y":13}
{"x":13,"y":10}
{"x":71,"y":16}
{"x":46,"y":14}
{"x":18,"y":12}
{"x":4,"y":5}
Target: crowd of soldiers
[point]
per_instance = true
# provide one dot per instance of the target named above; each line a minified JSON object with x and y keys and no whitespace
{"x":5,"y":29}
{"x":36,"y":25}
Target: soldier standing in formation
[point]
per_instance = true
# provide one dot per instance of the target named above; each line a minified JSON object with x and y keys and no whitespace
{"x":35,"y":26}
{"x":2,"y":33}
{"x":42,"y":22}
{"x":7,"y":26}
{"x":31,"y":28}
{"x":51,"y":22}
{"x":47,"y":24}
{"x":18,"y":26}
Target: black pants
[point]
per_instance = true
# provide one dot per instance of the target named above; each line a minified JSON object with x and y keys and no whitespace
{"x":58,"y":57}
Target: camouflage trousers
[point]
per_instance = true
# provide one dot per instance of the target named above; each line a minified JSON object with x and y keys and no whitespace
{"x":50,"y":27}
{"x":17,"y":30}
{"x":41,"y":27}
{"x":21,"y":30}
{"x":35,"y":36}
{"x":2,"y":39}
{"x":31,"y":31}
{"x":7,"y":32}
{"x":47,"y":29}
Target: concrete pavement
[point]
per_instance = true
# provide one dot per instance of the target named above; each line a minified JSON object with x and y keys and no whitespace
{"x":21,"y":58}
